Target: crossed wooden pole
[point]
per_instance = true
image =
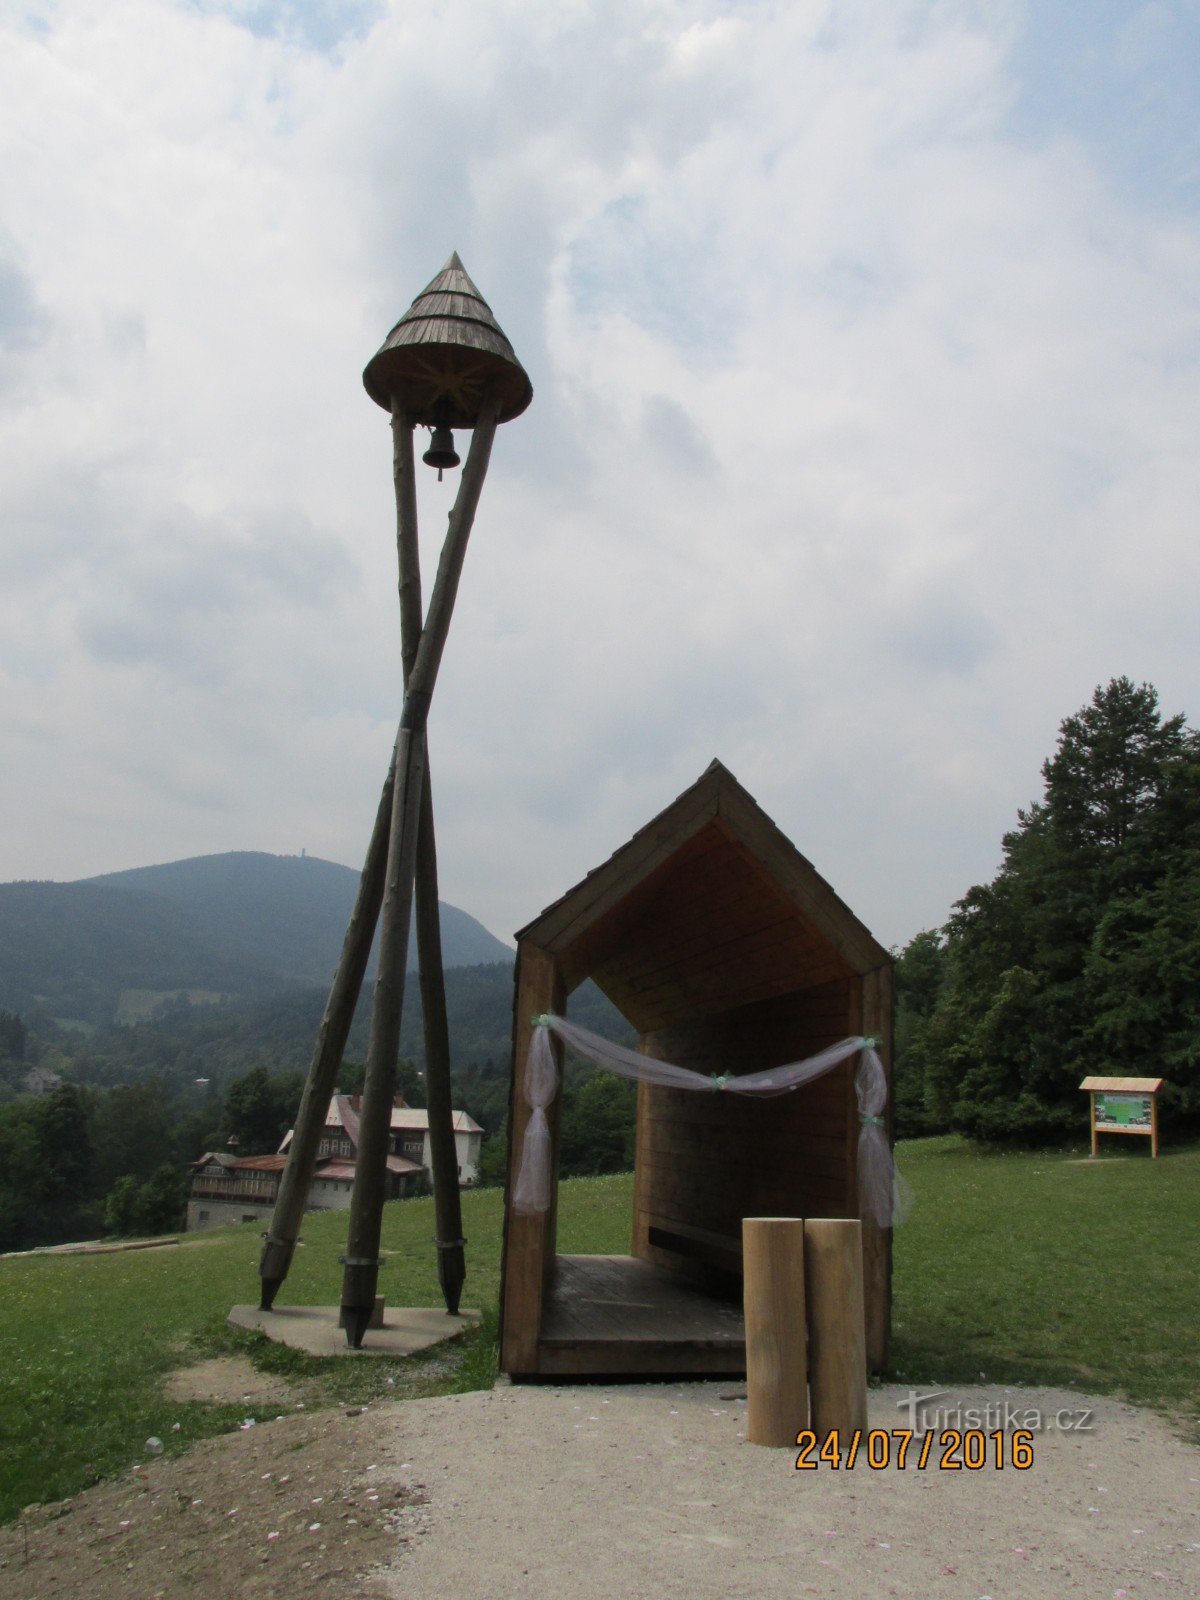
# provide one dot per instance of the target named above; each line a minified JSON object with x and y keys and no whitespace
{"x":446,"y":363}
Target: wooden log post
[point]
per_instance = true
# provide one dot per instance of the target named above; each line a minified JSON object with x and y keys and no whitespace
{"x":776,"y":1334}
{"x":280,"y":1242}
{"x":443,"y":1149}
{"x":361,"y":1261}
{"x":837,"y":1354}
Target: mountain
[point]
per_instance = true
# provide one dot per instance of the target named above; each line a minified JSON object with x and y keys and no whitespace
{"x":240,"y":925}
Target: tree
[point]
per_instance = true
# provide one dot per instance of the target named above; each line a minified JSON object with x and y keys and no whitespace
{"x":156,"y":1206}
{"x":259,"y":1109}
{"x":132,"y":1126}
{"x":121,"y":1206}
{"x":20,"y":1207}
{"x":1108,"y":771}
{"x":409,"y":1081}
{"x":920,"y":980}
{"x":1143,"y":967}
{"x":599,"y":1118}
{"x":64,"y":1175}
{"x":493,"y":1159}
{"x":1083,"y":953}
{"x":46,"y":1195}
{"x":13,"y":1036}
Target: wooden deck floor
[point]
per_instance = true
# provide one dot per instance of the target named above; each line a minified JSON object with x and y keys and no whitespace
{"x":618,"y":1315}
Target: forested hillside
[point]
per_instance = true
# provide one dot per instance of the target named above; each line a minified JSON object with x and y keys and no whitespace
{"x":238,"y":926}
{"x":219,"y":1042}
{"x":1082,"y":955}
{"x":106,"y":1149}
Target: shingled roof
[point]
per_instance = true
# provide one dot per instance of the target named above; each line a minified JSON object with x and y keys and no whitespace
{"x":443,"y":352}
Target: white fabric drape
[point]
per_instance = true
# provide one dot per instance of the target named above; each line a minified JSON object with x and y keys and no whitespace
{"x":882,"y":1192}
{"x":532,"y":1192}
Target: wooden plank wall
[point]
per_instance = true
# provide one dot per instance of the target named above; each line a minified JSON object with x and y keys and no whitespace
{"x":715,"y":933}
{"x":704,"y":1162}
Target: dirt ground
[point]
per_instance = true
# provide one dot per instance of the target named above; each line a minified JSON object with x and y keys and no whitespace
{"x":645,"y":1492}
{"x":229,"y":1380}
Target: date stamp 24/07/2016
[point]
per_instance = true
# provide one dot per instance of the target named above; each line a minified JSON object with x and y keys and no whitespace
{"x":951,"y":1450}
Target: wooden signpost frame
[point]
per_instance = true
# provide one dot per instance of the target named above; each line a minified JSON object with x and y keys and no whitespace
{"x":1130,"y":1088}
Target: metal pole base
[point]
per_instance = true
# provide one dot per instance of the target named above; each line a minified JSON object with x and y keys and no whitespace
{"x":355,"y":1320}
{"x":452,"y":1270}
{"x":273,"y":1266}
{"x":358,"y":1296}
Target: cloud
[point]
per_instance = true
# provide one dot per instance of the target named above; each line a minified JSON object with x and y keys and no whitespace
{"x":24,"y":324}
{"x":862,"y":443}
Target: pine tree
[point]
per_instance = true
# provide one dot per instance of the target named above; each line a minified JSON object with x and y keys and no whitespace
{"x":1083,"y":954}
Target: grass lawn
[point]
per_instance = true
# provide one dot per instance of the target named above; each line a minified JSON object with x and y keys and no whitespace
{"x":1048,"y":1268}
{"x":1029,"y":1268}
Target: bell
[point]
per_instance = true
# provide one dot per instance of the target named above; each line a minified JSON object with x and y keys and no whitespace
{"x":441,"y":452}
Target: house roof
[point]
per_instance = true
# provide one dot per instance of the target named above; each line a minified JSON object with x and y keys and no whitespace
{"x":341,"y":1171}
{"x":221,"y":1157}
{"x":411,"y":1119}
{"x":272,"y":1163}
{"x":708,"y":907}
{"x":405,"y":1119}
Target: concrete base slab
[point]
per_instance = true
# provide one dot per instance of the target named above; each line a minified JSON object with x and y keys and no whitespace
{"x":314,"y":1329}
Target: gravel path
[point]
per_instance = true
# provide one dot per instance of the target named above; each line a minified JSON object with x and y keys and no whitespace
{"x":624,"y":1493}
{"x":643,"y":1492}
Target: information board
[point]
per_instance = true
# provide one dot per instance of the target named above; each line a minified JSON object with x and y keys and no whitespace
{"x":1124,"y":1105}
{"x":1115,"y":1112}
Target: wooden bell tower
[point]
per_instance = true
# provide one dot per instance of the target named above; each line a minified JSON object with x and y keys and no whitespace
{"x":445,"y":365}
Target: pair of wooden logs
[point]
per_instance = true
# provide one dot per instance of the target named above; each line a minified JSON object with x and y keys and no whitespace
{"x":805,"y":1327}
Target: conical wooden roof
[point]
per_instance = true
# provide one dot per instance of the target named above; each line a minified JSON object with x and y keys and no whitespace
{"x":444,"y":350}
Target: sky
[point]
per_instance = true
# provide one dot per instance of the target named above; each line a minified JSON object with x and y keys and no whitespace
{"x":865,"y":345}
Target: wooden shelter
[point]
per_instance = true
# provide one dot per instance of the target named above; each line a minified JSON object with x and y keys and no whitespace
{"x":727,"y":952}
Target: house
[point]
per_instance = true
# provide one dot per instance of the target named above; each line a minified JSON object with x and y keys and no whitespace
{"x":409,"y":1136}
{"x":227,"y":1188}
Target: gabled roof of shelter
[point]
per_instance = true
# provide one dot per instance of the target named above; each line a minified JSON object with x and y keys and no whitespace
{"x":707,"y":907}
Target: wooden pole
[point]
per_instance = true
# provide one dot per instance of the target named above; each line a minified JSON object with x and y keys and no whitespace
{"x":1153,"y":1125}
{"x":837,"y":1352}
{"x":328,"y":1051}
{"x":361,"y":1262}
{"x":442,"y":1147}
{"x":776,"y":1336}
{"x":1095,"y":1135}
